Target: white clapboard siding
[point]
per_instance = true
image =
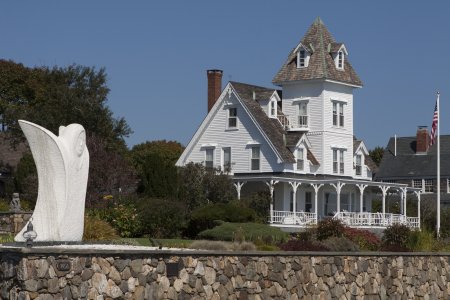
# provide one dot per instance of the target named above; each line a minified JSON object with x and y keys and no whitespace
{"x":239,"y":140}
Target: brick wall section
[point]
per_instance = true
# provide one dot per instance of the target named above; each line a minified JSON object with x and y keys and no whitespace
{"x":205,"y":275}
{"x":214,"y":86}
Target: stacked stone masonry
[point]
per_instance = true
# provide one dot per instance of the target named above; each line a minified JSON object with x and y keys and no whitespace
{"x":12,"y":222}
{"x":224,"y":276}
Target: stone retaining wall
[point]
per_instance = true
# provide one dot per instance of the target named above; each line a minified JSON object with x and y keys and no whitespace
{"x":13,"y":222}
{"x":208,"y":275}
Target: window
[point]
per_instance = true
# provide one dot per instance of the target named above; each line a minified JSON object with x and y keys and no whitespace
{"x":341,"y":114}
{"x":338,"y":114}
{"x":301,"y":58}
{"x":227,"y":160}
{"x":338,"y":161}
{"x":232,"y":117}
{"x":429,"y":188}
{"x":340,"y":60}
{"x":303,"y":114}
{"x":308,"y":202}
{"x":335,"y":119}
{"x":209,"y":160}
{"x":273,"y":109}
{"x":255,"y":160}
{"x":417,"y":183}
{"x":358,"y":166}
{"x":335,"y":161}
{"x":341,"y":161}
{"x":300,"y":159}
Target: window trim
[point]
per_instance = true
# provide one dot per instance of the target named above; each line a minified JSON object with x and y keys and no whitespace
{"x":425,"y":185}
{"x":305,"y":116}
{"x":338,"y":113}
{"x":274,"y":108}
{"x":258,"y":158}
{"x":340,"y":60}
{"x":338,"y":159}
{"x":229,"y":117}
{"x":358,"y":165}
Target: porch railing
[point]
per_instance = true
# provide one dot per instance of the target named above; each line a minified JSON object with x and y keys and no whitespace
{"x":293,"y":218}
{"x":358,"y":219}
{"x":294,"y":122}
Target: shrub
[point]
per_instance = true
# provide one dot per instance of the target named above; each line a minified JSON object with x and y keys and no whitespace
{"x":161,"y":218}
{"x":365,"y":239}
{"x":206,"y":217}
{"x":124,"y":218}
{"x":421,"y":240}
{"x":4,"y":205}
{"x":96,"y":229}
{"x":298,"y":245}
{"x":340,"y":244}
{"x":329,"y":227}
{"x":396,"y":235}
{"x":250,"y":231}
{"x":260,"y":203}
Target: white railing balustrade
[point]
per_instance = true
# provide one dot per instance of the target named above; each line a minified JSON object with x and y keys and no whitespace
{"x":363,"y":219}
{"x":293,"y":122}
{"x":298,"y":218}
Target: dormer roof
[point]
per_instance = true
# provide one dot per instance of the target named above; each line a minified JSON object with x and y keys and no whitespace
{"x":321,"y":44}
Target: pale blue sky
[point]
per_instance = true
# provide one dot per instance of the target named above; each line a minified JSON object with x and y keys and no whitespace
{"x":156,"y":54}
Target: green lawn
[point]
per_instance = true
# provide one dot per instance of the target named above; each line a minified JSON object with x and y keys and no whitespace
{"x":173,"y":243}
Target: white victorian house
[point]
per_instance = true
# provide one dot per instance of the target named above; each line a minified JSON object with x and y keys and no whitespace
{"x":297,"y":142}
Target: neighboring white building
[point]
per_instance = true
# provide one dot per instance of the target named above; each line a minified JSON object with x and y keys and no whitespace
{"x":298,"y":142}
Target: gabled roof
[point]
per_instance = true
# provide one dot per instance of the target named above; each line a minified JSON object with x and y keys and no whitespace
{"x":321,"y":64}
{"x":357,"y":144}
{"x":250,"y":95}
{"x":407,"y":164}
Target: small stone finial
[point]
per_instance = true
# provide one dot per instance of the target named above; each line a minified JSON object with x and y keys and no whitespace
{"x":14,"y":205}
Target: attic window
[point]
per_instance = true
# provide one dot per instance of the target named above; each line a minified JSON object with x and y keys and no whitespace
{"x":273,"y":109}
{"x":302,"y":58}
{"x":340,"y":60}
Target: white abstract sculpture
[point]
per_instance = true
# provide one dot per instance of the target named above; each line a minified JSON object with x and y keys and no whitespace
{"x":62,"y":164}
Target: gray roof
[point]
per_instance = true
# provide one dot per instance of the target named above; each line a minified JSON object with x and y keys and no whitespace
{"x":271,"y":127}
{"x":409,"y":165}
{"x":321,"y":64}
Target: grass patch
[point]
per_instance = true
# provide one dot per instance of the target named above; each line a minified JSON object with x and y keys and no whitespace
{"x":244,"y":232}
{"x":6,"y":238}
{"x":144,"y":241}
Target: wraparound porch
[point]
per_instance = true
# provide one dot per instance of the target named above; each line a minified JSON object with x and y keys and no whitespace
{"x":299,"y":202}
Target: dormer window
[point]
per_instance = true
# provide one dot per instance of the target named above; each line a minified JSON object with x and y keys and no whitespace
{"x":273,"y":109}
{"x":340,"y":60}
{"x":302,"y":58}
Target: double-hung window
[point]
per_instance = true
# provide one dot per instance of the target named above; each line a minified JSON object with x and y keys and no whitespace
{"x":209,"y":158}
{"x":338,"y":161}
{"x":340,"y":60}
{"x":255,"y":160}
{"x":227,"y":160}
{"x":300,"y":159}
{"x":338,"y":114}
{"x":302,"y":58}
{"x":428,"y":186}
{"x":232,"y":117}
{"x":303,"y":114}
{"x":273,"y":109}
{"x":417,"y":183}
{"x":358,"y":166}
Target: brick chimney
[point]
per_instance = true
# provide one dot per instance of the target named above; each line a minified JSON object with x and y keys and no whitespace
{"x":214,"y":86}
{"x":422,"y":141}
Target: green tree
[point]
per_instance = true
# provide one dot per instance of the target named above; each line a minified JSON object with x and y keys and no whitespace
{"x":155,"y":165}
{"x":199,"y":186}
{"x":376,"y":154}
{"x":58,"y":96}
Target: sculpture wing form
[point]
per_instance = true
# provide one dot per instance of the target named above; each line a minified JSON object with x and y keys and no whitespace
{"x":52,"y":176}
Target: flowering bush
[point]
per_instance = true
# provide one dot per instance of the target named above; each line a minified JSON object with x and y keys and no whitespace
{"x":365,"y":239}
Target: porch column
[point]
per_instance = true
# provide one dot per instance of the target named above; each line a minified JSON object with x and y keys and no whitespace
{"x":403,"y":191}
{"x":294,"y":185}
{"x":271,"y":185}
{"x":361,"y":187}
{"x":316,"y":188}
{"x":338,"y":187}
{"x":418,"y":206}
{"x":238,"y":185}
{"x":384,"y":190}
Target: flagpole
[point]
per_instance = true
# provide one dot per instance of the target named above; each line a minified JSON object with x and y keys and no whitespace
{"x":438,"y":227}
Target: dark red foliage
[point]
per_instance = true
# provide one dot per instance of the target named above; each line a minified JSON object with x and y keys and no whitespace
{"x":298,"y":245}
{"x":365,"y":239}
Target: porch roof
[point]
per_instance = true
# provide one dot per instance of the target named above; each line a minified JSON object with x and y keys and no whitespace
{"x":325,"y":180}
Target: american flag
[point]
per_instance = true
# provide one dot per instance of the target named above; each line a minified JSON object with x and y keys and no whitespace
{"x":434,"y":126}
